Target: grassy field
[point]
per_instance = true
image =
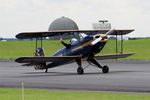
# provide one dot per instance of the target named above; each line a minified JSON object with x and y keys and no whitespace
{"x":14,"y":49}
{"x":15,"y":94}
{"x":140,"y":47}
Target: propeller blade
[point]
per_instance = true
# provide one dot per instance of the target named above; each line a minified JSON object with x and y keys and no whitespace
{"x":96,"y":41}
{"x":110,"y":32}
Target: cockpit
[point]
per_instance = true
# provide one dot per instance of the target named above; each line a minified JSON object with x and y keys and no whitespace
{"x":82,"y":36}
{"x":75,"y":40}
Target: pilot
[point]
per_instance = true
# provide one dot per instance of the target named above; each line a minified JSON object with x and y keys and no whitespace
{"x":72,"y":41}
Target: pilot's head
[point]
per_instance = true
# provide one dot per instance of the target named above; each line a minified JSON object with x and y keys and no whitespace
{"x":73,"y":40}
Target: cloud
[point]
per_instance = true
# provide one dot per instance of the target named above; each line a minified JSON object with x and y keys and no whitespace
{"x":36,"y":15}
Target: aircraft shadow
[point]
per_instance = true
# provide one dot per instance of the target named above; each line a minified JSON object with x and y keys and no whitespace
{"x":50,"y":74}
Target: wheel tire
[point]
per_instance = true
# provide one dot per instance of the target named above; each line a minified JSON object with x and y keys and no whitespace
{"x":80,"y":70}
{"x":105,"y":69}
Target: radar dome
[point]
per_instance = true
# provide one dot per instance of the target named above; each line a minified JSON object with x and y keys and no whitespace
{"x":63,"y":23}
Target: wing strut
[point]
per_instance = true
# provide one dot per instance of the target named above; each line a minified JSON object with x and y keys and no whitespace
{"x":39,"y":52}
{"x":36,"y":44}
{"x":116,"y":44}
{"x":41,"y":42}
{"x":121,"y":45}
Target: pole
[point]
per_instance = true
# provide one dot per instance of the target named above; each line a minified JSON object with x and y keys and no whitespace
{"x":22,"y":90}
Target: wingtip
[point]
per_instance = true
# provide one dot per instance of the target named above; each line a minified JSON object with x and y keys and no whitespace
{"x":18,"y":60}
{"x":18,"y":36}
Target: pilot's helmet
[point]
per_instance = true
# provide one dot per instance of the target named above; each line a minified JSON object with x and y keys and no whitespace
{"x":82,"y":36}
{"x":73,"y":40}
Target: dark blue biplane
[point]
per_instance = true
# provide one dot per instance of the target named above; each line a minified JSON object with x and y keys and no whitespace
{"x":84,"y":47}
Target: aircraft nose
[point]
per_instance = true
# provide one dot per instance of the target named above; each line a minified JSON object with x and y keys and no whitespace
{"x":99,"y":38}
{"x":103,"y":36}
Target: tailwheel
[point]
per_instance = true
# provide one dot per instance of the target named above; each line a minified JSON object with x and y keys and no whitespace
{"x":80,"y":70}
{"x":105,"y":69}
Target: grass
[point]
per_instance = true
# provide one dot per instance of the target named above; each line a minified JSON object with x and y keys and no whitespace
{"x":15,"y":94}
{"x":140,"y":47}
{"x":14,"y":49}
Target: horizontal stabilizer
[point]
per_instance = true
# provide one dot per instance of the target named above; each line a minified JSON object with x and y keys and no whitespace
{"x":36,"y":60}
{"x":115,"y":56}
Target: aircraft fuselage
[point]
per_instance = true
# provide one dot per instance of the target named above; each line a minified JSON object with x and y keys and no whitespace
{"x":84,"y":48}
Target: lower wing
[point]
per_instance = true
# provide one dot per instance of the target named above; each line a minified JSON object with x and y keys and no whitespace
{"x":36,"y":60}
{"x":115,"y":56}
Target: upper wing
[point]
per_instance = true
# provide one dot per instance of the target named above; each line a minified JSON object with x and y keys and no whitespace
{"x":115,"y":56}
{"x":35,"y":60}
{"x":25,"y":35}
{"x":119,"y":32}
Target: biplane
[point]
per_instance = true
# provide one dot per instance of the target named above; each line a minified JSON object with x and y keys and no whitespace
{"x":84,"y":47}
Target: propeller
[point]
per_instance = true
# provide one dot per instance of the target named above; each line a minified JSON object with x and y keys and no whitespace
{"x":110,"y":32}
{"x":96,"y":40}
{"x":100,"y":37}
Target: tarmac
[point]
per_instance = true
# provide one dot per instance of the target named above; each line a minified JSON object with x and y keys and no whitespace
{"x":124,"y":76}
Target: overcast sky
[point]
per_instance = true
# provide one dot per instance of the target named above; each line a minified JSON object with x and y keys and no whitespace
{"x":36,"y":15}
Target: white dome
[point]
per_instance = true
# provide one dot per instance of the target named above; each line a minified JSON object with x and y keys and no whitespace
{"x":63,"y":23}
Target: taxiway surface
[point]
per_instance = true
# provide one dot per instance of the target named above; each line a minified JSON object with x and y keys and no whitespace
{"x":123,"y":76}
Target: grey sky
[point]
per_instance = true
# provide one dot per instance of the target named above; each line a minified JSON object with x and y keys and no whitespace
{"x":36,"y":15}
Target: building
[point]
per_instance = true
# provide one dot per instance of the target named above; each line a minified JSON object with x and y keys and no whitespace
{"x":63,"y":23}
{"x":102,"y":25}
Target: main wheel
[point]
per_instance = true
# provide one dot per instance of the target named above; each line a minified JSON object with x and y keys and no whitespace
{"x":80,"y":70}
{"x":105,"y":69}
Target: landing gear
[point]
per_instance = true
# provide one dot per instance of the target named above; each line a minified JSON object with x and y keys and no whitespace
{"x":91,"y":60}
{"x":105,"y":69}
{"x":80,"y":70}
{"x":46,"y":70}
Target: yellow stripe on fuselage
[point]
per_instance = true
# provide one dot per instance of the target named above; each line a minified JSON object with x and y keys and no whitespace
{"x":83,"y":45}
{"x":89,"y":42}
